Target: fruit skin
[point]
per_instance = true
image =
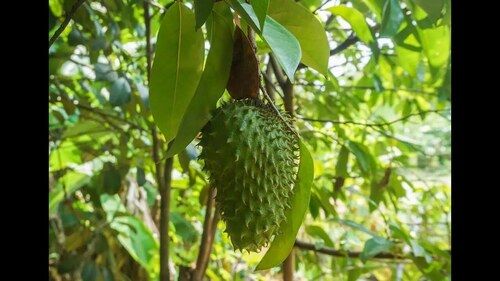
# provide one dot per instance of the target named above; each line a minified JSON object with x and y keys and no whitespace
{"x":251,"y":157}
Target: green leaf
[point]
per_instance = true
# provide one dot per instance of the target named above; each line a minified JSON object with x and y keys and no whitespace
{"x":283,"y":243}
{"x":104,"y":72}
{"x":307,"y":29}
{"x":202,"y":10}
{"x":375,"y":246}
{"x":364,"y":158}
{"x":177,"y":68}
{"x":317,"y":231}
{"x":283,"y":44}
{"x":89,"y":271}
{"x":134,"y":236}
{"x":392,"y":18}
{"x":357,"y":226}
{"x":70,"y":182}
{"x":213,"y":80}
{"x":376,"y":6}
{"x":120,"y":92}
{"x":56,"y":7}
{"x":83,"y":127}
{"x":141,"y":176}
{"x":111,"y":179}
{"x":67,"y":153}
{"x":183,"y":228}
{"x":432,"y":8}
{"x":357,"y":21}
{"x":261,"y":9}
{"x":436,"y":43}
{"x":341,"y":167}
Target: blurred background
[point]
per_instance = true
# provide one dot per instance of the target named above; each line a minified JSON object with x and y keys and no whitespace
{"x":378,"y":127}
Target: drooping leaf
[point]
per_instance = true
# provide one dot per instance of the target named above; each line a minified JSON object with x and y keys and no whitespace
{"x":202,"y":10}
{"x":307,"y":29}
{"x":375,"y":246}
{"x":244,"y":76}
{"x":120,"y":92}
{"x":177,"y":68}
{"x":392,"y":18}
{"x":261,"y":9}
{"x":134,"y":236}
{"x":184,"y":229}
{"x":212,"y":82}
{"x":364,"y":158}
{"x":111,"y":179}
{"x":357,"y":21}
{"x":283,"y":243}
{"x":319,"y":232}
{"x":341,"y":166}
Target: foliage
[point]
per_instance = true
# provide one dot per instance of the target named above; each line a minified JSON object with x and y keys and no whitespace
{"x":371,"y":95}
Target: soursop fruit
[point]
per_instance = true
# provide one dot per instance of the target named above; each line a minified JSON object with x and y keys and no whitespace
{"x":251,"y":157}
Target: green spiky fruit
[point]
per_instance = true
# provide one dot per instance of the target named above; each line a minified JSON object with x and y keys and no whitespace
{"x":251,"y":157}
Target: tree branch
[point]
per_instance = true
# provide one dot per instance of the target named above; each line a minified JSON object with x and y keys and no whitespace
{"x":207,"y":238}
{"x":370,"y":124}
{"x":165,"y":219}
{"x":147,"y":23}
{"x":66,"y":21}
{"x":338,"y":253}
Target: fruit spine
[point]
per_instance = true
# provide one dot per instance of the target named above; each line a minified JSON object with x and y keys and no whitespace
{"x":251,"y":157}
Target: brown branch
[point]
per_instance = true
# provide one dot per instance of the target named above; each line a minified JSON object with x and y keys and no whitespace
{"x":268,"y":83}
{"x":207,"y":238}
{"x":339,"y":253}
{"x":351,"y":40}
{"x":370,"y":124}
{"x":66,"y":21}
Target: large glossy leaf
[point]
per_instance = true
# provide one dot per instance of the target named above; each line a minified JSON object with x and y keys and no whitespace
{"x":307,"y":29}
{"x":202,"y":10}
{"x":283,"y":243}
{"x":260,"y":7}
{"x":284,"y":45}
{"x":357,"y":21}
{"x":392,"y":18}
{"x":177,"y":68}
{"x":213,"y":80}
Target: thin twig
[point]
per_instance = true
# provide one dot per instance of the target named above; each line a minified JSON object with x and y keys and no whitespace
{"x":370,"y":124}
{"x":66,"y":21}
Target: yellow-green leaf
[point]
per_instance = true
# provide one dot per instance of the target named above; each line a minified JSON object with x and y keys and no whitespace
{"x":307,"y":29}
{"x":357,"y":21}
{"x":436,"y":44}
{"x":177,"y":68}
{"x":283,"y":243}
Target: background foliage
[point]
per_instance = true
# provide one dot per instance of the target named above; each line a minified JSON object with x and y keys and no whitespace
{"x":377,"y":121}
